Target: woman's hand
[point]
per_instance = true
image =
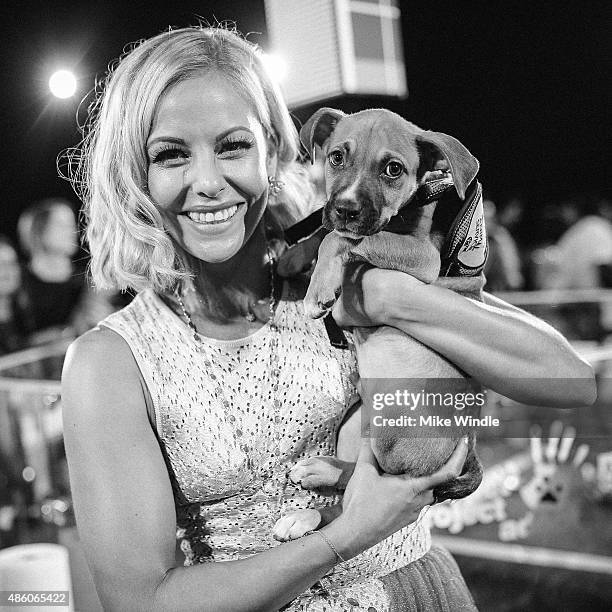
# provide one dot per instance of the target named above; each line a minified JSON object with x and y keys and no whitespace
{"x":364,"y":301}
{"x":376,"y":505}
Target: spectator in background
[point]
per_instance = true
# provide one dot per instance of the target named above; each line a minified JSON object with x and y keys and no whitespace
{"x":512,"y":214}
{"x":585,"y":248}
{"x":48,"y":236}
{"x":12,"y":338}
{"x":503,"y":267}
{"x":57,"y":300}
{"x":11,"y":323}
{"x":557,"y":217}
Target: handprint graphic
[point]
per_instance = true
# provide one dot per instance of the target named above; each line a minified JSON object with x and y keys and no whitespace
{"x":553,"y":471}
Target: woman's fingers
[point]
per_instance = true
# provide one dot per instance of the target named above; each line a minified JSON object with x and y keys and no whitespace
{"x":424,"y":498}
{"x":451,"y":469}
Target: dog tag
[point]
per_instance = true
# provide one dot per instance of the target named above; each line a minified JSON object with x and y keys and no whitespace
{"x":334,"y":333}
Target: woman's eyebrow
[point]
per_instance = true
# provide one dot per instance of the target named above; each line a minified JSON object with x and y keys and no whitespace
{"x":172,"y":139}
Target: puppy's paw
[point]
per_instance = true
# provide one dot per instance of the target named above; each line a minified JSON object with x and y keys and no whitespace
{"x":325,"y":287}
{"x":319,"y":301}
{"x":295,"y":525}
{"x":321,"y":472}
{"x":315,"y":309}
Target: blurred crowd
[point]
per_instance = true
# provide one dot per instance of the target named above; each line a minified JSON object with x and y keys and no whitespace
{"x":44,"y":293}
{"x":562,"y":245}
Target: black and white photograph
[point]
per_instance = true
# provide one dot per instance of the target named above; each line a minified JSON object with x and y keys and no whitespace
{"x":306,"y":306}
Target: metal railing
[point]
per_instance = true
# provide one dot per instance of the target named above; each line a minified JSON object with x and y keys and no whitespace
{"x":30,"y":413}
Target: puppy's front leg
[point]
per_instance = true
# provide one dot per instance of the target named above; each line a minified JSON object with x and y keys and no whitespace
{"x":326,"y":280}
{"x":327,"y":475}
{"x":403,"y":252}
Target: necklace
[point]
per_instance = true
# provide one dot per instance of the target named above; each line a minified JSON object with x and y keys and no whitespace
{"x":249,"y":316}
{"x":273,"y":475}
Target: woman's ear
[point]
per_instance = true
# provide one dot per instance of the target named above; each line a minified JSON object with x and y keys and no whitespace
{"x":271,"y":158}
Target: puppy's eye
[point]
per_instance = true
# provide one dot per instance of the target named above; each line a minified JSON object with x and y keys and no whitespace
{"x":393,"y":170}
{"x":336,"y":158}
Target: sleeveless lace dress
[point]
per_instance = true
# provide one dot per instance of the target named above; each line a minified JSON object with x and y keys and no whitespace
{"x":230,"y":436}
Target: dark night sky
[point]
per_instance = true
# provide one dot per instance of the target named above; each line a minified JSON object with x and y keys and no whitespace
{"x":525,"y":85}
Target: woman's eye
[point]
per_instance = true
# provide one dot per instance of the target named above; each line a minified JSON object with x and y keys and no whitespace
{"x":393,"y":170}
{"x":336,"y":158}
{"x":235,"y":145}
{"x":168,"y":155}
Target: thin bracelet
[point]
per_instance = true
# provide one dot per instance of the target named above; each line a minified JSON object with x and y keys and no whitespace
{"x":329,"y":543}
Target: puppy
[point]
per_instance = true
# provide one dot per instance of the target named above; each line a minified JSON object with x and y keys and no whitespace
{"x":398,"y":197}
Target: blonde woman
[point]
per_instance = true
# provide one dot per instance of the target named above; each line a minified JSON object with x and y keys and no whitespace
{"x":185,"y":410}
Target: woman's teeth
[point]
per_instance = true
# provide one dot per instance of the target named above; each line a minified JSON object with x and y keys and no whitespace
{"x":217,"y":217}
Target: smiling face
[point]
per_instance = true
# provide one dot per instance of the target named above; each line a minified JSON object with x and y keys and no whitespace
{"x":208,"y":165}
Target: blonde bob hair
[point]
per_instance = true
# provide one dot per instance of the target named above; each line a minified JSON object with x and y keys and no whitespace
{"x":128,"y":243}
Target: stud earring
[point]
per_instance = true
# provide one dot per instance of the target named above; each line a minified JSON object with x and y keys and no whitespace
{"x":276,"y":186}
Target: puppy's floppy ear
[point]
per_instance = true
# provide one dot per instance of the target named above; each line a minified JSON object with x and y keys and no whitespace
{"x":319,"y":128}
{"x":436,"y":148}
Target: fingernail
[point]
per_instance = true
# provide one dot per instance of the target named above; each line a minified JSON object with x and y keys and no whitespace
{"x":466,"y":439}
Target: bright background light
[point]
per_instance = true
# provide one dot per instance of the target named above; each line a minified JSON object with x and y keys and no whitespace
{"x":275,"y":66}
{"x":63,"y":84}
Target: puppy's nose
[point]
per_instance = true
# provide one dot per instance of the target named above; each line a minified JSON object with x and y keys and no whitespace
{"x":346,"y":210}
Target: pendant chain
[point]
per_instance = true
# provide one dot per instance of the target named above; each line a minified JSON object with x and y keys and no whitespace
{"x":275,"y":478}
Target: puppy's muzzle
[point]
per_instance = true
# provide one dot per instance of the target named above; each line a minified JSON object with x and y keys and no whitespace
{"x":346,"y":214}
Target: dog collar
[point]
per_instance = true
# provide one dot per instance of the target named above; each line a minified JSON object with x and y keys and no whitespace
{"x":427,"y":193}
{"x":432,"y":190}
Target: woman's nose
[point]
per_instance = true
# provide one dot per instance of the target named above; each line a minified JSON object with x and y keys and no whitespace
{"x":206,"y":179}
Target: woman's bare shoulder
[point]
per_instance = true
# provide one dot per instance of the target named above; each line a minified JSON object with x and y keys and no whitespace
{"x":100,"y":369}
{"x":100,"y":346}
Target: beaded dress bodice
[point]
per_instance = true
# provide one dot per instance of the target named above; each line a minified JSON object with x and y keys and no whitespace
{"x":229,"y":437}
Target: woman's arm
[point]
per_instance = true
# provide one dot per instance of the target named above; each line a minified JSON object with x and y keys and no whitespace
{"x":505,"y":348}
{"x":125,"y":509}
{"x":124,"y":503}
